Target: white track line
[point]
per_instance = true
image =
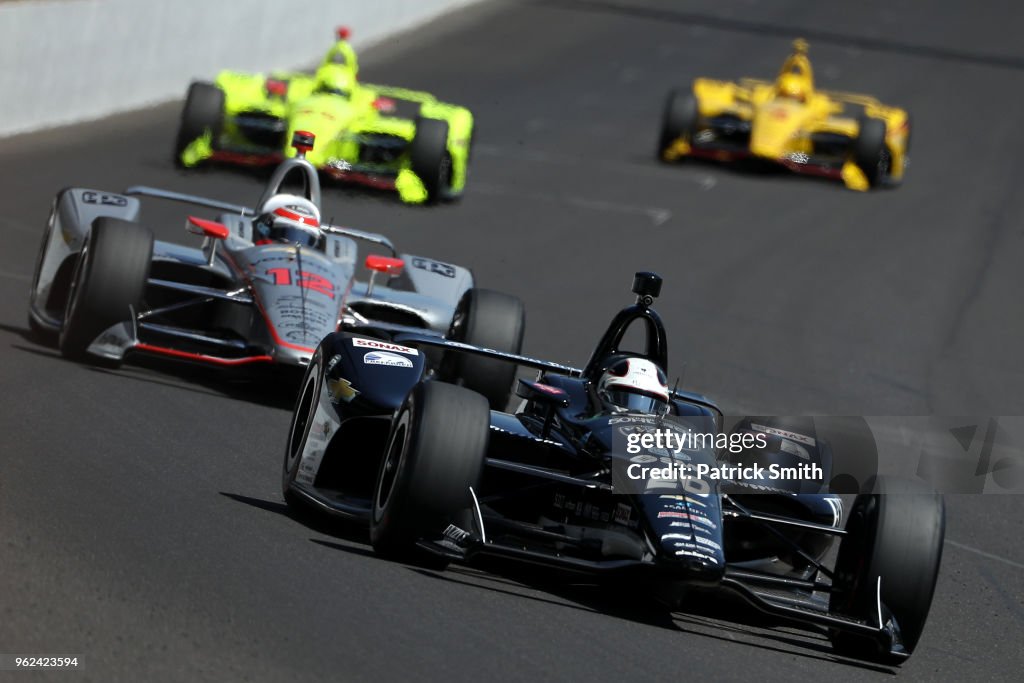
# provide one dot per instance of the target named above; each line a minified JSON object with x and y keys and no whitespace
{"x":990,"y":556}
{"x":15,"y":276}
{"x":656,"y":214}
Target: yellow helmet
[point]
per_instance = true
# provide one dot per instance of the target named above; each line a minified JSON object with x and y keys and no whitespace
{"x":334,"y":79}
{"x":792,"y":85}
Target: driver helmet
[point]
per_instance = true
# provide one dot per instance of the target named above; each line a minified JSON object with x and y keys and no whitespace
{"x":793,"y":86}
{"x":334,"y":79}
{"x":290,"y":219}
{"x":635,"y":385}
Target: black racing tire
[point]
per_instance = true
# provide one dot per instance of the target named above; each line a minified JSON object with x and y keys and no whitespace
{"x":678,"y":120}
{"x":107,"y":285}
{"x":204,"y":109}
{"x":435,"y":453}
{"x":302,"y":420}
{"x":38,"y":332}
{"x":492,"y":320}
{"x":893,"y":183}
{"x":430,"y":159}
{"x":896,"y":533}
{"x":870,"y":152}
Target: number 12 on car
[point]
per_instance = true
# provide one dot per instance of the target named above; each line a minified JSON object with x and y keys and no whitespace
{"x":302,"y":278}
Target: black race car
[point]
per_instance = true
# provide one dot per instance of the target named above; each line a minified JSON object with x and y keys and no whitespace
{"x":439,"y":477}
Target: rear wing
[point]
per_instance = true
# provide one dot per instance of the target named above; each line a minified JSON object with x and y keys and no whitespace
{"x":417,"y":339}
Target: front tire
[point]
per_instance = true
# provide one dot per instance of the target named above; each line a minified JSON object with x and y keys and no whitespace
{"x":203,"y":110}
{"x":870,"y":152}
{"x":894,"y":533}
{"x":679,"y":120}
{"x":108,"y":283}
{"x":430,"y":159}
{"x":492,"y":320}
{"x":435,"y":453}
{"x":42,"y":333}
{"x":302,"y":420}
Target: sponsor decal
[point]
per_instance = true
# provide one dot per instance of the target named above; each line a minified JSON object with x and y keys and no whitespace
{"x":341,"y":390}
{"x":680,"y":515}
{"x":362,"y":343}
{"x":688,"y":501}
{"x":335,"y":359}
{"x":623,"y":512}
{"x":698,"y":555}
{"x":708,"y":542}
{"x":435,"y":267}
{"x":633,"y":418}
{"x":795,"y":449}
{"x":391,"y":360}
{"x":456,"y":534}
{"x":786,"y":434}
{"x":682,"y":537}
{"x":90,"y":197}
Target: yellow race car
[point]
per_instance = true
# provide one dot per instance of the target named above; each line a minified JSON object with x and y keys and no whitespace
{"x":832,"y":134}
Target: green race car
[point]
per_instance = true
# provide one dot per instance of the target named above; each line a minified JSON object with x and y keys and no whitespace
{"x":384,"y":137}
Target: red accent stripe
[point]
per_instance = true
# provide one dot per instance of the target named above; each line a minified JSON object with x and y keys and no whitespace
{"x":733,"y":155}
{"x":247,"y":159}
{"x":215,"y":360}
{"x":374,"y":181}
{"x":291,"y":215}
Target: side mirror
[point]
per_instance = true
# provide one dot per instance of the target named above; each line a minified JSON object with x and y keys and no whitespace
{"x":201,"y":226}
{"x":542,"y":393}
{"x":212,"y":230}
{"x":385,"y":264}
{"x":382,"y":264}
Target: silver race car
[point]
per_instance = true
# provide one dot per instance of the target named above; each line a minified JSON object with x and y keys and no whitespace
{"x":266,"y":285}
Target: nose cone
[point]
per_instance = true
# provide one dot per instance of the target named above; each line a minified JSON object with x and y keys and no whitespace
{"x":774,"y":127}
{"x":689,"y":533}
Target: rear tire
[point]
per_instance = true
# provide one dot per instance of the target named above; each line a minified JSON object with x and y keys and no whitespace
{"x":679,"y":119}
{"x":430,"y":159}
{"x":896,"y":533}
{"x":203,"y":110}
{"x":435,"y":453}
{"x":491,"y":320}
{"x":870,"y":152}
{"x":108,"y":283}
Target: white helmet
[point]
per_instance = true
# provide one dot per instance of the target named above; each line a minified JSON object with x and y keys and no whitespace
{"x":288,"y":218}
{"x":636,"y":385}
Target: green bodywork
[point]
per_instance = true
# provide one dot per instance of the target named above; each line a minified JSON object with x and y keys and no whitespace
{"x":345,"y":125}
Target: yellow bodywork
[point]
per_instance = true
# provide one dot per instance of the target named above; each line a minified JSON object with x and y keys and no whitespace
{"x":785,"y":113}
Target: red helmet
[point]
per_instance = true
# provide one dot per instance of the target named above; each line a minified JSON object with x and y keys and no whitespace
{"x":290,"y":219}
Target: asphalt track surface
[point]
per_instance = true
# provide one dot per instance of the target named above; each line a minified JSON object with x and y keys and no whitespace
{"x":142,"y":524}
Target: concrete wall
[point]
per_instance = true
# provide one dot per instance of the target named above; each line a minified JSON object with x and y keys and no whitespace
{"x":73,"y":60}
